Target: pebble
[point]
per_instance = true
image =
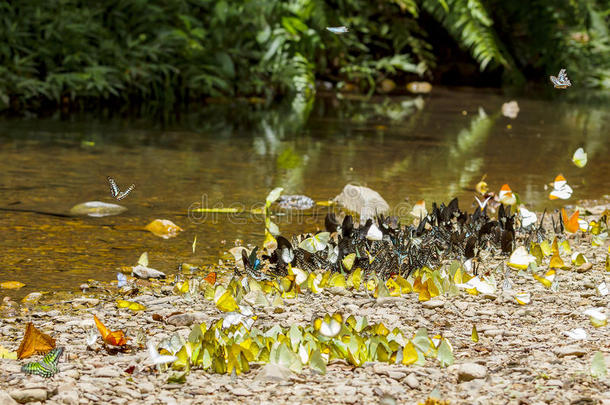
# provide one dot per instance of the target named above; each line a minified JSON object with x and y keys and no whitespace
{"x":471,"y":371}
{"x":239,"y":391}
{"x":433,"y":303}
{"x":570,"y":351}
{"x":412,"y":381}
{"x":146,"y":387}
{"x":584,"y":267}
{"x":6,"y":399}
{"x":30,"y":395}
{"x":107,"y":372}
{"x":274,"y":372}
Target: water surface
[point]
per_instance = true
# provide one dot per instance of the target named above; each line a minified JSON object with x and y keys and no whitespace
{"x":232,"y":154}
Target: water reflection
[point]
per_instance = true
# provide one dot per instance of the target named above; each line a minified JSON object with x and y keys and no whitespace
{"x":406,"y":148}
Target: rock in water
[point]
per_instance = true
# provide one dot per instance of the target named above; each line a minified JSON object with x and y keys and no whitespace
{"x":146,"y":272}
{"x":97,"y":209}
{"x":362,"y":200}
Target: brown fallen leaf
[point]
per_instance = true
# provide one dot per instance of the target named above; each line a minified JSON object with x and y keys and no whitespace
{"x":163,"y":228}
{"x":34,"y":341}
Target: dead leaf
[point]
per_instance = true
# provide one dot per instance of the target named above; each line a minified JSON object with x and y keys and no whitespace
{"x":163,"y":228}
{"x":34,"y":341}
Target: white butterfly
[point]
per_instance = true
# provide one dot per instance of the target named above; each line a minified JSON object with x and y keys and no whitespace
{"x":159,"y":358}
{"x":561,"y":189}
{"x":483,"y":204}
{"x":91,"y":337}
{"x":338,"y":30}
{"x":116,"y":192}
{"x":121,"y":279}
{"x":374,"y":233}
{"x":528,"y":217}
{"x":316,"y":242}
{"x":561,"y":81}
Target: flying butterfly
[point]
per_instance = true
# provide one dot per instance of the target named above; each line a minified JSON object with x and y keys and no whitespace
{"x":47,"y":367}
{"x":338,"y":30}
{"x":561,"y":81}
{"x":116,"y":192}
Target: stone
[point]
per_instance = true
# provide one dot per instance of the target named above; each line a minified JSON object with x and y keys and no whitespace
{"x":108,"y":372}
{"x":433,"y":303}
{"x":146,"y":387}
{"x":240,"y":391}
{"x":584,"y":267}
{"x":29,"y":395}
{"x":570,"y":351}
{"x":362,"y":200}
{"x":471,"y":371}
{"x":146,"y":272}
{"x":274,"y":372}
{"x":412,"y":381}
{"x":6,"y":399}
{"x":68,"y":398}
{"x":185,"y":319}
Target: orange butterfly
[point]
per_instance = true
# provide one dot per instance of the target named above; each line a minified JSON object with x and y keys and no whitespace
{"x":571,"y":224}
{"x":34,"y":341}
{"x":506,"y":195}
{"x":211,"y":278}
{"x":115,"y":338}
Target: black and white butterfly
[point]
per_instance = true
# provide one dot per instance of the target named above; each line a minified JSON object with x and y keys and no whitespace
{"x":116,"y":192}
{"x":561,"y":81}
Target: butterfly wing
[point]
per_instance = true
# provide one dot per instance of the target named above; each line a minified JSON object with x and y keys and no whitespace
{"x":52,"y":358}
{"x":47,"y":367}
{"x":124,"y":194}
{"x":121,"y":279}
{"x":114,"y":188}
{"x":38,"y":369}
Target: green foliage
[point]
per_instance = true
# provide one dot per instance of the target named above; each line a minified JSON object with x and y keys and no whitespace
{"x":169,"y":51}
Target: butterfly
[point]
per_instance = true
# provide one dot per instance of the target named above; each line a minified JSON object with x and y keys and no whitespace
{"x":121,"y":279}
{"x":47,"y":367}
{"x":561,"y":189}
{"x":253,"y":265}
{"x":116,"y":192}
{"x":157,"y":358}
{"x":338,"y":30}
{"x":561,"y":81}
